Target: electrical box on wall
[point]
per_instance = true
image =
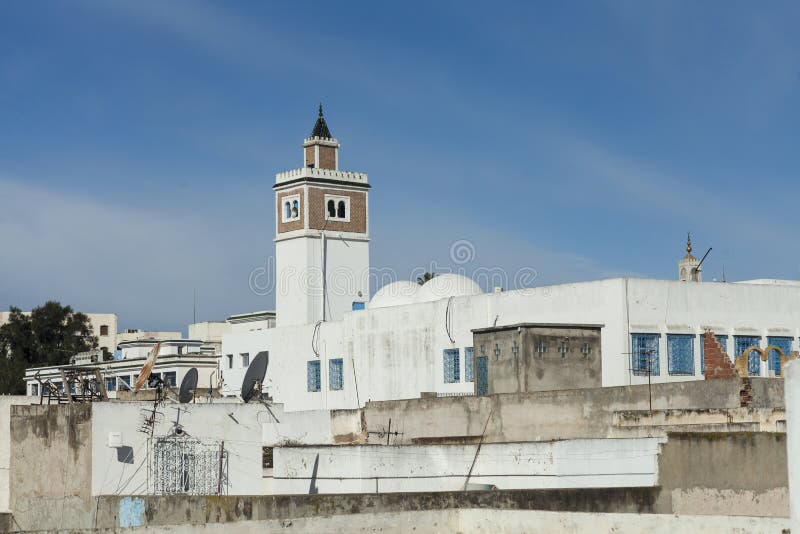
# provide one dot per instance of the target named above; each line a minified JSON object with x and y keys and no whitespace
{"x":115,"y":440}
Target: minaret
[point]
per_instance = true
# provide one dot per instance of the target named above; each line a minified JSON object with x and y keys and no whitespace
{"x":321,"y":235}
{"x":688,"y":266}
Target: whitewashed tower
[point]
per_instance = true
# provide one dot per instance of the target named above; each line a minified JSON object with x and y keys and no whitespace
{"x":321,"y":235}
{"x":689,"y":266}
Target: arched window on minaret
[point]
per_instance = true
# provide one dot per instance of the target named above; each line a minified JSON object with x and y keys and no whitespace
{"x":295,"y":209}
{"x":288,"y":209}
{"x":340,"y":211}
{"x":331,"y":209}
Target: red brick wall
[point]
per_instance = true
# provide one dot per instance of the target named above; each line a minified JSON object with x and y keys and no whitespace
{"x":718,"y":364}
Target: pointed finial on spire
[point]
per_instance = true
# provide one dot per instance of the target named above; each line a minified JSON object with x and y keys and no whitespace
{"x":321,"y":128}
{"x":688,"y":242}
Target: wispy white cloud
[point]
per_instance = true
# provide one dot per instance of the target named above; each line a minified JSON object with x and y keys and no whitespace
{"x":107,"y":257}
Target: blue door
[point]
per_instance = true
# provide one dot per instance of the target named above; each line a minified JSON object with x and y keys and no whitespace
{"x":483,"y":375}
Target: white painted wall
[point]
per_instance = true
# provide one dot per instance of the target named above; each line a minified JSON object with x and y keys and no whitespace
{"x":299,"y":288}
{"x":202,"y":421}
{"x":245,"y":428}
{"x":397,"y":351}
{"x":585,"y":463}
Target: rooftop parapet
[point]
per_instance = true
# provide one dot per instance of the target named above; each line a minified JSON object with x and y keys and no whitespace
{"x":325,"y":174}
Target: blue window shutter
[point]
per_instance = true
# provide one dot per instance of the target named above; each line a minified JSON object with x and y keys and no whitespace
{"x":482,"y":363}
{"x":644,"y":354}
{"x":469,"y":375}
{"x":335,"y":374}
{"x":680,"y":354}
{"x":774,"y":359}
{"x":741,"y":343}
{"x":358,"y":305}
{"x":452,"y":371}
{"x":313,"y":382}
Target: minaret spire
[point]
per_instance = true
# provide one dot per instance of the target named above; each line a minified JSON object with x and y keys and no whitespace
{"x":688,"y":238}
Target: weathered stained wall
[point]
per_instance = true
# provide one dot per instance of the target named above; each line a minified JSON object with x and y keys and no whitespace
{"x":51,"y":466}
{"x":6,"y":401}
{"x":532,"y":369}
{"x":577,"y":413}
{"x":725,"y":474}
{"x":582,"y":463}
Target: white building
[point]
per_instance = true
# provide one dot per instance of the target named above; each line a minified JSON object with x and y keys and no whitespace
{"x":326,"y":352}
{"x":175,"y":358}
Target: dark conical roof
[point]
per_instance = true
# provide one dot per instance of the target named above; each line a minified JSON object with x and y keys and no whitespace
{"x":321,"y":127}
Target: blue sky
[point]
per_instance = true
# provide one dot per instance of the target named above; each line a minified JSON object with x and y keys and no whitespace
{"x":139,"y":140}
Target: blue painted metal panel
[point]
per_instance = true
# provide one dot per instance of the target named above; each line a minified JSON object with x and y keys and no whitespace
{"x":468,"y":365}
{"x":131,"y":512}
{"x":452,"y":369}
{"x":313,"y":381}
{"x":336,"y":374}
{"x":680,"y":354}
{"x":644,"y":354}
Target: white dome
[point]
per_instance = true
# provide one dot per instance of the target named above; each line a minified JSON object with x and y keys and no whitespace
{"x":395,"y":294}
{"x":447,"y":285}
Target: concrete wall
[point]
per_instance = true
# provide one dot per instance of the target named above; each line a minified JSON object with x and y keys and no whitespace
{"x":725,"y":474}
{"x":531,"y":370}
{"x":51,"y":465}
{"x":555,"y":464}
{"x":6,"y":401}
{"x":489,"y":521}
{"x":577,"y":413}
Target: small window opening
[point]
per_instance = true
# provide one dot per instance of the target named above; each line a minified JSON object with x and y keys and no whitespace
{"x":340,"y":211}
{"x":331,"y":209}
{"x":295,"y":209}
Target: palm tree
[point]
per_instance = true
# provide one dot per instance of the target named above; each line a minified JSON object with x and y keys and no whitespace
{"x":425,"y":277}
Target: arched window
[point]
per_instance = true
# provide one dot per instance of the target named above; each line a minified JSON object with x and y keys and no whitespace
{"x":295,"y":209}
{"x":340,"y":211}
{"x":288,"y":208}
{"x":331,"y":208}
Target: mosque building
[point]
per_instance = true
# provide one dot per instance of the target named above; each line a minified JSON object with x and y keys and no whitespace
{"x":334,"y":348}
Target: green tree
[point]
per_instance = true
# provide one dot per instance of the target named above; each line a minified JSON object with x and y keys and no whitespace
{"x":50,"y":335}
{"x":425,"y":278}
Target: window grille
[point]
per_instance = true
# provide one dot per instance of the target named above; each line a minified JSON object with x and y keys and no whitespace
{"x":181,"y":465}
{"x":335,"y":375}
{"x":313,"y":382}
{"x":644,"y":354}
{"x":452,"y":372}
{"x":482,"y":367}
{"x":245,"y":360}
{"x":111,"y":383}
{"x":541,"y":348}
{"x":680,"y":354}
{"x":774,"y":358}
{"x":754,"y":360}
{"x":469,"y":375}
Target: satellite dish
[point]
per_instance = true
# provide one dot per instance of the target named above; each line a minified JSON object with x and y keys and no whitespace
{"x":254,"y":376}
{"x":188,"y":385}
{"x":147,"y":368}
